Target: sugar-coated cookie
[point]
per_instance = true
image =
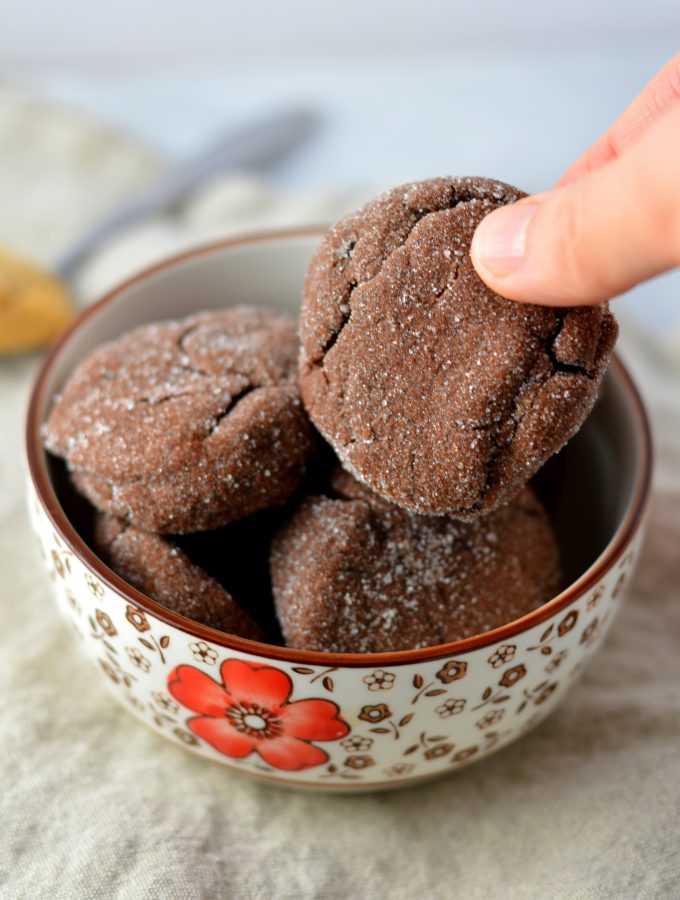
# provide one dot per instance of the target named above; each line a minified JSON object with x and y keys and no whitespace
{"x":155,"y":565}
{"x":434,"y":391}
{"x":184,"y":426}
{"x":353,"y":573}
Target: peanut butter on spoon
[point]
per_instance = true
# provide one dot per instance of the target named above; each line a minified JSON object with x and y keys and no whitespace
{"x":34,"y":305}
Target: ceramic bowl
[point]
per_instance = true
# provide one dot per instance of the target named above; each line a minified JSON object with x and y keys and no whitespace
{"x":338,"y":721}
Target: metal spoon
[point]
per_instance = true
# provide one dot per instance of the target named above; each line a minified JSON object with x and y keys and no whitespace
{"x":253,"y":148}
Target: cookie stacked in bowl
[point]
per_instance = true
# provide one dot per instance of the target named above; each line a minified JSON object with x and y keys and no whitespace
{"x":196,"y":440}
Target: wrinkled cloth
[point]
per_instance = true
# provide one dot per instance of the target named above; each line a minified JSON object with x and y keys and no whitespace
{"x":95,"y":805}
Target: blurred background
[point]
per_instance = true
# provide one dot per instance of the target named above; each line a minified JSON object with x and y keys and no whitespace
{"x":402,"y":90}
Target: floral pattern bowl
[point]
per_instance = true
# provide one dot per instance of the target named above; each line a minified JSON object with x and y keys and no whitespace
{"x":338,"y":721}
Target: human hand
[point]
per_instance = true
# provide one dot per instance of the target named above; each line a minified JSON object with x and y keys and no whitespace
{"x":612,"y":221}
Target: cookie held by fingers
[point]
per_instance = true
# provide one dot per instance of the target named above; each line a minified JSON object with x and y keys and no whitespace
{"x":436,"y":393}
{"x":352,"y":573}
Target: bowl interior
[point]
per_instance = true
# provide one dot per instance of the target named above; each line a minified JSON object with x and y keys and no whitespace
{"x":589,"y":487}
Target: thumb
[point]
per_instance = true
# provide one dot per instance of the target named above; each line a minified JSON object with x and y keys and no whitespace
{"x":595,"y":238}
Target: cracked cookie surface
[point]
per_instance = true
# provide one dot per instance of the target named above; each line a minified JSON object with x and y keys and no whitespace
{"x":156,"y":566}
{"x":434,"y":391}
{"x":183,"y":426}
{"x":352,"y":573}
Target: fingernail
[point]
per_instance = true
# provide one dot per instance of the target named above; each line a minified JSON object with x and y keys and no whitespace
{"x":499,"y":243}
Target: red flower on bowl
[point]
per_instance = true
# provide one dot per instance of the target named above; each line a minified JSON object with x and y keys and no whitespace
{"x":251,"y":711}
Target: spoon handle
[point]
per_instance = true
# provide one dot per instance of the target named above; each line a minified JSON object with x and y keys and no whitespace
{"x":255,"y":147}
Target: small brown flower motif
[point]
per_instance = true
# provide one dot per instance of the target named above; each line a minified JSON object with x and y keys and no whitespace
{"x":59,"y":567}
{"x":109,"y":670}
{"x":359,"y":761}
{"x":356,"y":742}
{"x":185,"y":736}
{"x":619,"y":585}
{"x":464,"y":754}
{"x":545,"y":692}
{"x":595,"y":597}
{"x":513,"y":675}
{"x":540,"y":693}
{"x":452,"y":671}
{"x":203,"y":653}
{"x":567,"y":622}
{"x":375,"y":713}
{"x":450,"y":708}
{"x":73,"y":602}
{"x":134,"y":701}
{"x":491,"y":718}
{"x":137,"y":659}
{"x":439,"y":750}
{"x":105,"y":623}
{"x":164,"y":701}
{"x":380,"y":680}
{"x":94,"y":585}
{"x":589,"y":631}
{"x":503,"y":655}
{"x":399,"y":769}
{"x":556,"y":661}
{"x":137,"y":618}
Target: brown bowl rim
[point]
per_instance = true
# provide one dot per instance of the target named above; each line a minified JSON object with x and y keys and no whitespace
{"x":42,"y":483}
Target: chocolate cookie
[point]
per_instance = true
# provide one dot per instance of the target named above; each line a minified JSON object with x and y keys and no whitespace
{"x":353,"y":573}
{"x":156,"y":566}
{"x":435,"y":392}
{"x":185,"y":425}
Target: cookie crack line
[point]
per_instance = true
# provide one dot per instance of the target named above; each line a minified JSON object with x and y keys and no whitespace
{"x":497,"y":447}
{"x":125,"y":526}
{"x":453,"y":276}
{"x":557,"y":364}
{"x":332,"y":340}
{"x":186,"y":362}
{"x":151,"y":401}
{"x":456,"y":199}
{"x":185,"y":367}
{"x":567,"y":368}
{"x":182,"y":337}
{"x":229,"y":408}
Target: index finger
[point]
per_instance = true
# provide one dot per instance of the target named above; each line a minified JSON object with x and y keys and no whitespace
{"x":659,"y":95}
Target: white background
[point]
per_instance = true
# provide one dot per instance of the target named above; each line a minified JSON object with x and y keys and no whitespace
{"x":221,"y":30}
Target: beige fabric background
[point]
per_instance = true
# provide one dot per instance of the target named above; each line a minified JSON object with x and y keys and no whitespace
{"x":94,"y":805}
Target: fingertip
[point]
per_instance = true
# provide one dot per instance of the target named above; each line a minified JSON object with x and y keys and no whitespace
{"x":498,"y":246}
{"x":527,"y":252}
